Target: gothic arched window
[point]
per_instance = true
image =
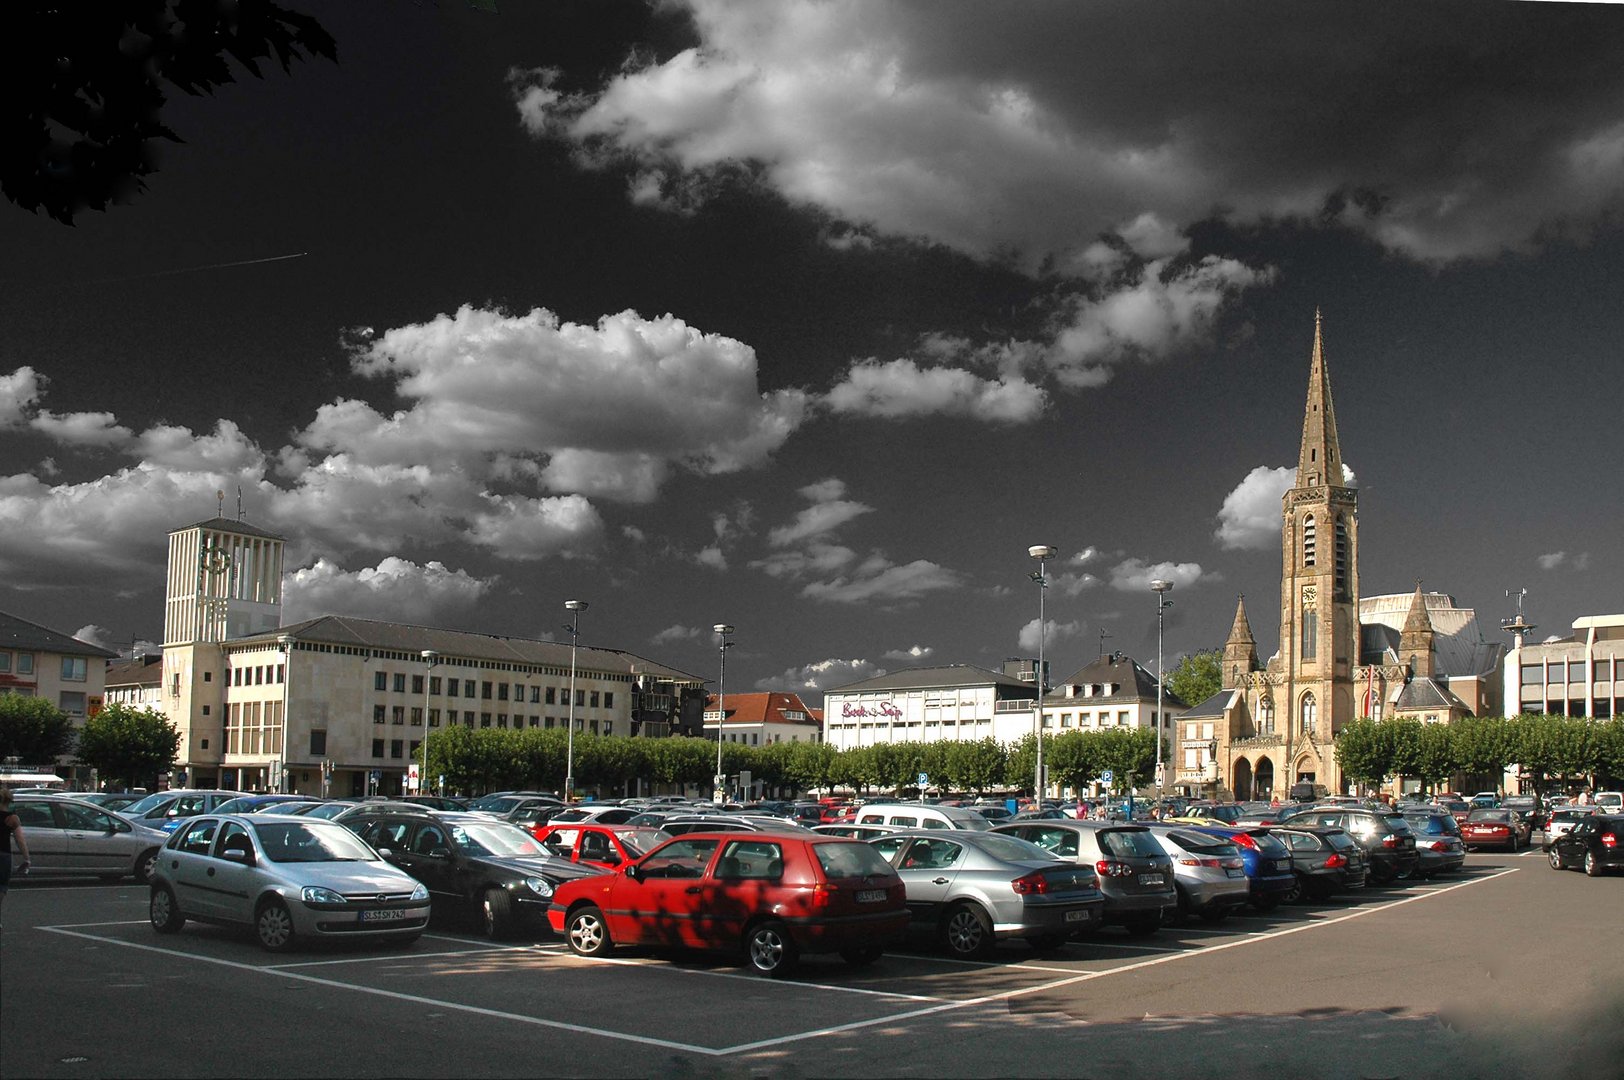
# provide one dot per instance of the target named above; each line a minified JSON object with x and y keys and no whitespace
{"x":1310,"y":712}
{"x":1308,"y":540}
{"x":1310,"y":650}
{"x":1265,"y":715}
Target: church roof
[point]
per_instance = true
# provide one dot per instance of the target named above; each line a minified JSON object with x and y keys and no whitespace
{"x":1419,"y":694}
{"x":1319,"y":461}
{"x":1241,"y":632}
{"x":1213,"y":707}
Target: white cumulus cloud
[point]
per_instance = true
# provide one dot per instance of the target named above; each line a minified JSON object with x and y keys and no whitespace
{"x":1133,"y":575}
{"x":913,"y":652}
{"x":396,"y":590}
{"x":1027,"y":640}
{"x":820,"y":676}
{"x":901,"y":389}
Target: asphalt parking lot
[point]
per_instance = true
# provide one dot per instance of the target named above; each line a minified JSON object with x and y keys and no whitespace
{"x":1382,"y":972}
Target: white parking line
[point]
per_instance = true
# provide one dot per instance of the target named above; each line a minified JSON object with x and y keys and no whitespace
{"x":374,"y":959}
{"x":1091,"y":975}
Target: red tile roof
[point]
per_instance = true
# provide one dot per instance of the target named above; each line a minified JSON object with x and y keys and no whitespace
{"x":764,"y":708}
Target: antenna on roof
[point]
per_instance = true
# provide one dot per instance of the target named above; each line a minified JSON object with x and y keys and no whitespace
{"x":1518,"y":628}
{"x":239,"y":502}
{"x":1103,"y":636}
{"x":220,"y":497}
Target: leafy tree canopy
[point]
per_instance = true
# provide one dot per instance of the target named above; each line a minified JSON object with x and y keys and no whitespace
{"x":129,"y":747}
{"x":33,"y":730}
{"x":1197,"y":677}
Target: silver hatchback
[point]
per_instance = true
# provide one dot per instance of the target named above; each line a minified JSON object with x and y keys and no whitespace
{"x":973,"y":888}
{"x":290,"y":878}
{"x":1209,"y":872}
{"x":1135,"y":874}
{"x":71,"y":836}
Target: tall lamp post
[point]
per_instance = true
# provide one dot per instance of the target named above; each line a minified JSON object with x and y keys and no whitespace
{"x":575,"y":607}
{"x":722,"y":630}
{"x":1161,"y":588}
{"x":430,"y":657}
{"x":285,"y":644}
{"x":1042,"y":553}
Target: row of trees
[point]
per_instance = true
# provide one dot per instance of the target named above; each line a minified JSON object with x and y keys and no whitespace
{"x":1559,"y":749}
{"x":487,"y":759}
{"x":127,"y":747}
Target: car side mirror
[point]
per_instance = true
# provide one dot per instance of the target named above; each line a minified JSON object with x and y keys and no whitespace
{"x":237,"y":855}
{"x":388,"y":853}
{"x":631,"y":871}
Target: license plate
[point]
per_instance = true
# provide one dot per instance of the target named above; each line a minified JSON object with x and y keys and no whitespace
{"x":1236,"y":873}
{"x":1150,"y":879}
{"x":1282,"y":864}
{"x":1077,"y":916}
{"x":383,"y":915}
{"x":870,"y":896}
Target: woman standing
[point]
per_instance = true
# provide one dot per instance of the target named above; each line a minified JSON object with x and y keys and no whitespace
{"x":14,"y":835}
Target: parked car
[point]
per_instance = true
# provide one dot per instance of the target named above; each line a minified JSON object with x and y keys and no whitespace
{"x":166,"y":809}
{"x":1565,"y":818}
{"x":1324,"y":861}
{"x":1267,"y":863}
{"x":854,"y":832}
{"x":971,"y":889}
{"x":1609,"y":802}
{"x":436,"y":802}
{"x":603,"y":846}
{"x":1133,"y":872}
{"x":70,"y":836}
{"x":919,"y":816}
{"x":1531,"y":807}
{"x":773,"y":896}
{"x":497,"y":801}
{"x":1208,"y":872}
{"x":109,"y":800}
{"x":290,"y":878}
{"x":1385,"y":837}
{"x":1215,"y":813}
{"x":682,"y":824}
{"x":601,"y":814}
{"x":1493,"y":828}
{"x":255,"y":804}
{"x":1458,"y":807}
{"x":1592,"y":843}
{"x":328,"y":810}
{"x":1439,"y":848}
{"x":490,"y":870}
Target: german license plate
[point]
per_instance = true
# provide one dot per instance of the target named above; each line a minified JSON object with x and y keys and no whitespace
{"x":1282,"y":864}
{"x":1236,"y":873}
{"x":1150,"y":879}
{"x":1077,"y":916}
{"x":870,"y":896}
{"x":383,"y":915}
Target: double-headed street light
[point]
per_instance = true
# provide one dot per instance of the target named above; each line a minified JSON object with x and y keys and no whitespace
{"x":1161,"y":588}
{"x":1042,"y":553}
{"x":574,"y":627}
{"x":721,"y":630}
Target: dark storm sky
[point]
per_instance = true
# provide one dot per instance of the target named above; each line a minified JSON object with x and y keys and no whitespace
{"x":811,"y":318}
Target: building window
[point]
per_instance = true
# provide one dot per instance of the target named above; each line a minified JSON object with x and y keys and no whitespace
{"x":485,"y":691}
{"x":72,"y":702}
{"x":397,"y":714}
{"x":73,"y":669}
{"x":594,"y":699}
{"x":281,"y":673}
{"x":535,"y":697}
{"x":1310,"y":635}
{"x":1265,"y":716}
{"x":580,"y":699}
{"x":417,"y":716}
{"x":468,"y":718}
{"x":25,"y":663}
{"x":1310,"y":713}
{"x":318,"y":742}
{"x":377,"y":748}
{"x":608,"y":699}
{"x":1308,"y":540}
{"x":467,"y":688}
{"x":434,"y":718}
{"x":501,"y":719}
{"x":202,"y":744}
{"x":552,"y":693}
{"x":397,"y":748}
{"x":484,"y":719}
{"x":378,"y":714}
{"x":417,"y":684}
{"x":208,"y":676}
{"x":518,"y":691}
{"x":205,"y":710}
{"x":414,"y":748}
{"x":501,"y":691}
{"x":434,"y":685}
{"x":400,"y":682}
{"x":380,"y":680}
{"x":5,"y":663}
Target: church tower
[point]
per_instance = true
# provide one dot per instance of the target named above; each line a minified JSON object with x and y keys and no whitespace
{"x":1415,"y":642}
{"x":1319,"y":588}
{"x":1240,"y":651}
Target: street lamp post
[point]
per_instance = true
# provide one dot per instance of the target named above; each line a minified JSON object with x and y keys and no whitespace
{"x":576,"y":607}
{"x":1160,"y":587}
{"x":285,"y":644}
{"x":722,"y":630}
{"x":430,"y":657}
{"x":1042,"y":553}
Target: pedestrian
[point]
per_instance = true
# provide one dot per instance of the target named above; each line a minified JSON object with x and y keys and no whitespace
{"x":14,"y":835}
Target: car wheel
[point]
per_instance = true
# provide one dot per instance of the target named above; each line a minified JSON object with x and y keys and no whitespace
{"x":1592,"y":866}
{"x":967,"y":932}
{"x":273,"y":923}
{"x":164,"y":910}
{"x":862,"y":955}
{"x":586,"y":934}
{"x":496,"y":914}
{"x":1555,"y":858}
{"x":1144,"y":927}
{"x":1046,"y":943}
{"x":146,"y":867}
{"x":1294,"y":895}
{"x":770,"y":950}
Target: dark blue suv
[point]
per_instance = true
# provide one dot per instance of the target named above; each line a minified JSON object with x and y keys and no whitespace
{"x":1268,"y":863}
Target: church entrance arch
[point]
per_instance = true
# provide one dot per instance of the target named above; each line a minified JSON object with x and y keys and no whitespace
{"x":1263,"y":779}
{"x":1243,"y":780}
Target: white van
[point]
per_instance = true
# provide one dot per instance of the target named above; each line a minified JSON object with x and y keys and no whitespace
{"x":1609,"y":802}
{"x":917,"y":816}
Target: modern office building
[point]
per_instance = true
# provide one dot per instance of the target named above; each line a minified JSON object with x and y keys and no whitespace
{"x":1578,"y":675}
{"x":952,"y":701}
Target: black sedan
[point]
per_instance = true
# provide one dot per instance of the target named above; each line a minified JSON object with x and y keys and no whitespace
{"x":1593,"y":844}
{"x":1324,"y":861}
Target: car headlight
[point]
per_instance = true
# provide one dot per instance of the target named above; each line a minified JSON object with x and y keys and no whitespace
{"x":539,"y":886}
{"x":312,"y":894}
{"x":421,"y":892}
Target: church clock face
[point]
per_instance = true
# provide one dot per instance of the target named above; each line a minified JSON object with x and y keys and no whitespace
{"x":1310,"y":595}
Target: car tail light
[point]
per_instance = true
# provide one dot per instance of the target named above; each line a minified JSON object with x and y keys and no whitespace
{"x":1608,"y":839}
{"x":1336,"y":862}
{"x":1213,"y":864}
{"x":1439,"y":845}
{"x":1111,"y":868}
{"x":823,"y":895}
{"x":1031,"y":883}
{"x":1245,"y":840}
{"x":1389,"y":840}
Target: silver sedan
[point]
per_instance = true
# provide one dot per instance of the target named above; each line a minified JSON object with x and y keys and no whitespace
{"x":290,"y":878}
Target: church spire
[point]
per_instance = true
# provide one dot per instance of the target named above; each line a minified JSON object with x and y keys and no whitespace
{"x":1240,"y":651}
{"x":1320,"y":460}
{"x":1415,"y":641}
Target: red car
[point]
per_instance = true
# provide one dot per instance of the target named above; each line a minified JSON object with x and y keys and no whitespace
{"x":773,"y":896}
{"x":1494,"y":828}
{"x":608,"y":846}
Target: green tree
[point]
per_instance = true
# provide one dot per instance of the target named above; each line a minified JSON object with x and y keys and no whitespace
{"x":1364,"y":751}
{"x":1434,"y":754}
{"x":976,"y":765}
{"x":33,"y":730}
{"x":1197,"y":677}
{"x":1130,"y":754}
{"x":129,"y":747}
{"x":1075,"y":760}
{"x":1484,"y":746}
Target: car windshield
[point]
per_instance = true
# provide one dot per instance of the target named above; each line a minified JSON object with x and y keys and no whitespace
{"x":1014,"y":849}
{"x":850,"y":860}
{"x":494,"y":839}
{"x":1129,"y":843}
{"x":642,"y":841}
{"x":325,"y":810}
{"x":289,"y":842}
{"x":151,"y":802}
{"x":1432,"y":824}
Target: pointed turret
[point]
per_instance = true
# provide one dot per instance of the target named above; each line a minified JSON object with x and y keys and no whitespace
{"x":1240,"y":651}
{"x":1320,"y":459}
{"x":1415,"y":643}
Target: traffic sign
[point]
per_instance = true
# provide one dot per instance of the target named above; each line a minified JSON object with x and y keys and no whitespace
{"x":924,"y":779}
{"x":1106,"y":776}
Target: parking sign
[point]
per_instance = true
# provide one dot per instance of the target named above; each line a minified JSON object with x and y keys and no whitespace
{"x":924,"y":778}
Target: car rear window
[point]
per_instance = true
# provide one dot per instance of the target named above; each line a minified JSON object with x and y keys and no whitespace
{"x":1341,"y":841}
{"x":1200,"y":843}
{"x":850,"y":860}
{"x":1129,"y":843}
{"x":1501,"y":816}
{"x":1269,"y":845}
{"x":1013,"y":849}
{"x":1433,"y":824}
